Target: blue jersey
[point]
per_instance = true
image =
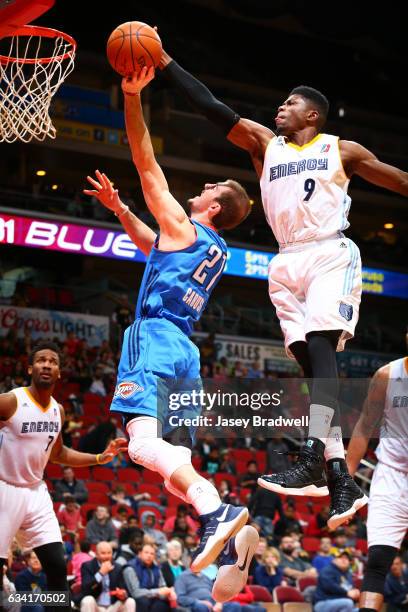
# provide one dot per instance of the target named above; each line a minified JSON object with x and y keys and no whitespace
{"x":176,"y":285}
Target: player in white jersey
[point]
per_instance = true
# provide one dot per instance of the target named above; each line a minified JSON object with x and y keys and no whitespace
{"x":315,"y":280}
{"x":386,"y":406}
{"x":30,"y":435}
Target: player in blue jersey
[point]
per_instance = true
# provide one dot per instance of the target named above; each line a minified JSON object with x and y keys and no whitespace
{"x":185,"y":262}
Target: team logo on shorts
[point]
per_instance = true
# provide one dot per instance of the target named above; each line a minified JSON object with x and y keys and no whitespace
{"x":127,"y":389}
{"x":346,"y":311}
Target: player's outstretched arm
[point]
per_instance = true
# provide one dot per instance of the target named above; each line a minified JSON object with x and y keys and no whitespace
{"x":168,"y":213}
{"x":140,"y":234}
{"x":8,"y":406}
{"x":360,"y":161}
{"x":370,"y":419}
{"x":246,"y":134}
{"x":68,"y":456}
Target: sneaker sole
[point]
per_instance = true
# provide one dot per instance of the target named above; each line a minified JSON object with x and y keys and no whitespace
{"x":338,"y":519}
{"x":310,"y":490}
{"x":216,"y":542}
{"x":230,"y":578}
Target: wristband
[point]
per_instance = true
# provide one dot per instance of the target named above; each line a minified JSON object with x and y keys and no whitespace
{"x":122,"y":211}
{"x":98,"y":457}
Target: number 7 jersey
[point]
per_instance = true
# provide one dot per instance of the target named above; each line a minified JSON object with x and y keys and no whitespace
{"x":27,"y":439}
{"x":304,"y":189}
{"x":176,"y":285}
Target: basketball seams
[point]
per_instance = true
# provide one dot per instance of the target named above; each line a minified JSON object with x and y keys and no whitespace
{"x":124,"y":55}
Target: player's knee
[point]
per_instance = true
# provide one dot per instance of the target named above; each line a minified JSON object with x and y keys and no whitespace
{"x":144,"y":451}
{"x":380,"y":559}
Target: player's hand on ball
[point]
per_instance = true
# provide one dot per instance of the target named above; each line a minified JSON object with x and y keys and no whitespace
{"x":104,"y":192}
{"x":114,"y":448}
{"x":133,"y":84}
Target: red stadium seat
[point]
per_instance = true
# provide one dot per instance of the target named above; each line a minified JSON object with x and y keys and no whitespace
{"x":260,"y":593}
{"x":232,"y":479}
{"x":130,"y":475}
{"x":149,"y":488}
{"x":196,"y":462}
{"x":82,"y":473}
{"x":103,"y":473}
{"x":362,"y":545}
{"x":97,"y":487}
{"x":305,"y":582}
{"x":243,"y":454}
{"x":85,"y":508}
{"x":53,"y":471}
{"x":260,"y":458}
{"x":282,"y":594}
{"x":152,"y":477}
{"x":310,"y":544}
{"x":98,"y":498}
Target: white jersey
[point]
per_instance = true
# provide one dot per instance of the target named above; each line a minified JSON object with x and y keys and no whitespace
{"x":304,"y":189}
{"x":27,"y":438}
{"x":393,"y":447}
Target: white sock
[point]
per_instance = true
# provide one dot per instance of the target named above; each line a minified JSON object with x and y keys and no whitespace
{"x":203,"y":496}
{"x":319,"y":421}
{"x":334,"y":445}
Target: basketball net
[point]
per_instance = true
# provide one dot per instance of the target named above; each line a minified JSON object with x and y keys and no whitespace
{"x":35,"y":63}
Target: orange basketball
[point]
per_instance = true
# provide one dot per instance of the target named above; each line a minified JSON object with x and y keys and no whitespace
{"x":133,"y":45}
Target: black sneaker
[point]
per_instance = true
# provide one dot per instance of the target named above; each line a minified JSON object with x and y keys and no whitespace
{"x":346,"y":496}
{"x":306,"y":477}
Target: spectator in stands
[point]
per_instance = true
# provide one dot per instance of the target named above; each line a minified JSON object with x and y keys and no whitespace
{"x":181,"y":528}
{"x":227,"y":462}
{"x":276,"y":460}
{"x":249,"y":480}
{"x":78,"y":559}
{"x":145,"y":583}
{"x":98,"y":437}
{"x":193,"y":591}
{"x":257,"y":558}
{"x":131,"y":527}
{"x":130,"y":551}
{"x":97,"y":385}
{"x":246,"y":599}
{"x":211,"y":462}
{"x":182,"y":510}
{"x":119,"y":496}
{"x":102,"y":586}
{"x":70,"y":486}
{"x":123,"y":313}
{"x":396,"y":587}
{"x":148,"y":520}
{"x":317,"y":524}
{"x":335,"y":591}
{"x":263,"y":506}
{"x":208,"y":352}
{"x":323,"y":556}
{"x":31,"y":579}
{"x":293,"y":567}
{"x":100,"y":527}
{"x":69,"y":515}
{"x":255,"y":371}
{"x":225,"y":492}
{"x":205,"y":446}
{"x":173,"y":566}
{"x":288,"y":522}
{"x":339,"y":542}
{"x":119,"y":517}
{"x":268,"y":573}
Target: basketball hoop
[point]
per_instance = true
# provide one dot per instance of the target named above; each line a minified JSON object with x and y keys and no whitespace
{"x":34,"y":61}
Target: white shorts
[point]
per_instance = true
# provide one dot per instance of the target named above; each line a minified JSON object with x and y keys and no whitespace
{"x":316,"y":287}
{"x":387,"y":521}
{"x":28,"y":513}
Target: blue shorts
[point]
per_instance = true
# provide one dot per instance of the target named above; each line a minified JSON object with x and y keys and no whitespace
{"x":158,"y":362}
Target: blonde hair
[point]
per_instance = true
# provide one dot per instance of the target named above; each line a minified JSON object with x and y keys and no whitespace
{"x":271,"y":550}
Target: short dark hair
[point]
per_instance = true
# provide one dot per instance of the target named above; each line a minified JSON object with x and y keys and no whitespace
{"x":235,"y":206}
{"x":316,"y":97}
{"x":42,"y":346}
{"x":69,"y":499}
{"x":85,"y":546}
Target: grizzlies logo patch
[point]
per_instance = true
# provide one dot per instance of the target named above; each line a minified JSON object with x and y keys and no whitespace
{"x":346,"y":311}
